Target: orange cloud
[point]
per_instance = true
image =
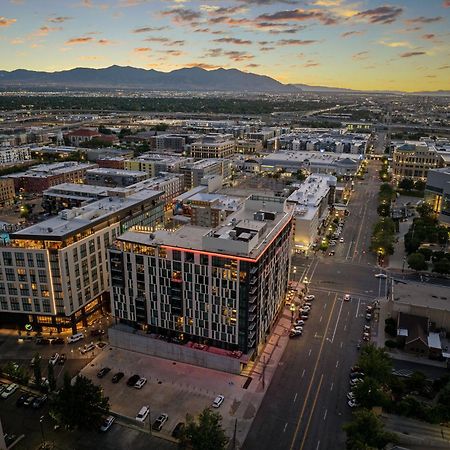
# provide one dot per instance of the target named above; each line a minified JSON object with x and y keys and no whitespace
{"x":4,"y":22}
{"x":79,"y":40}
{"x":203,"y":66}
{"x":142,"y":49}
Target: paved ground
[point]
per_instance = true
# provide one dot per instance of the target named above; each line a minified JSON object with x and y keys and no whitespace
{"x":305,"y":406}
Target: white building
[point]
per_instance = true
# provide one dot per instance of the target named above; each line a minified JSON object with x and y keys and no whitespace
{"x":13,"y":155}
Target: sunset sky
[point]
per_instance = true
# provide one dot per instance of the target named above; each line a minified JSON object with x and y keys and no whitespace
{"x":403,"y":45}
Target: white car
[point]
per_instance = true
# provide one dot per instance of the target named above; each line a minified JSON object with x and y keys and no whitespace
{"x":106,"y":425}
{"x":307,"y":304}
{"x":341,"y":240}
{"x":351,"y":396}
{"x":300,"y":322}
{"x":297,"y":327}
{"x":218,"y":401}
{"x":309,"y":298}
{"x":356,"y":381}
{"x":54,"y":359}
{"x":352,"y":404}
{"x":381,"y":275}
{"x":347,"y":298}
{"x":10,"y":390}
{"x":143,"y":413}
{"x":140,"y":383}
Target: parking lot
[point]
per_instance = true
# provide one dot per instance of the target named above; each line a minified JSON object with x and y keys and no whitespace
{"x":172,"y":387}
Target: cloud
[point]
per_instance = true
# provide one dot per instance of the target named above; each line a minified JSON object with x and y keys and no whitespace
{"x":79,"y":40}
{"x":423,"y":20}
{"x":238,"y":56}
{"x":90,"y":58}
{"x":444,"y":67}
{"x":395,"y":44}
{"x":352,"y":33}
{"x":182,"y":15}
{"x":228,"y":40}
{"x":296,"y":42}
{"x":213,"y":53}
{"x":148,"y":29}
{"x":311,"y":64}
{"x":361,"y":55}
{"x":43,"y":31}
{"x":446,"y":3}
{"x":59,"y":19}
{"x":173,"y":52}
{"x":382,"y":15}
{"x":252,"y":66}
{"x":165,"y":41}
{"x":142,"y":49}
{"x":105,"y":42}
{"x":299,"y":15}
{"x":4,"y":22}
{"x":202,"y":30}
{"x":268,"y":2}
{"x":17,"y":41}
{"x":266,"y":49}
{"x":410,"y":54}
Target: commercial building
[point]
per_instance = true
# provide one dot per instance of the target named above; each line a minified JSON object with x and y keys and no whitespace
{"x":39,"y":178}
{"x":54,"y":275}
{"x":194,"y":171}
{"x":214,"y":146}
{"x":437,"y":192}
{"x":314,"y":162}
{"x":154,"y":163}
{"x":249,"y":146}
{"x":114,"y":177}
{"x":413,"y":159}
{"x":222,"y":287}
{"x":82,"y":135}
{"x":169,"y":184}
{"x":7,"y":192}
{"x":312,"y":202}
{"x":13,"y":155}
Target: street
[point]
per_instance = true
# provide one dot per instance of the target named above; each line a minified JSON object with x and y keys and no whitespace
{"x":306,"y":405}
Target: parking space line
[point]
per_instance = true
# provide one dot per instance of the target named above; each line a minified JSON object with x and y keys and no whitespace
{"x":310,"y":350}
{"x":325,"y":414}
{"x":285,"y":426}
{"x":337,"y":364}
{"x":303,"y":373}
{"x":331,"y":387}
{"x":295,"y":397}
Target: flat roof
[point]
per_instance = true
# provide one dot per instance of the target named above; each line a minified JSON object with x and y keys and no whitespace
{"x":121,"y":172}
{"x":422,"y":294}
{"x":45,"y":170}
{"x":312,"y":156}
{"x":78,"y":218}
{"x":76,"y":187}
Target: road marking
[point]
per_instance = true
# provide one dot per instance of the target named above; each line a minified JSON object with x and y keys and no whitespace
{"x":325,"y":414}
{"x":331,"y":387}
{"x":310,"y":350}
{"x":285,"y":426}
{"x":312,"y":379}
{"x":357,"y":309}
{"x":337,"y":364}
{"x":295,"y":397}
{"x":341,"y":344}
{"x":345,"y":327}
{"x":303,"y":373}
{"x":337,"y":321}
{"x":312,"y":411}
{"x":320,"y":320}
{"x":329,"y":293}
{"x":317,"y":446}
{"x":349,"y":248}
{"x":324,"y":306}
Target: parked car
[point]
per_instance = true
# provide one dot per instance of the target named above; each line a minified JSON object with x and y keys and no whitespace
{"x":351,"y":396}
{"x":355,"y":381}
{"x":178,"y":430}
{"x":58,"y":341}
{"x":54,"y":359}
{"x":20,"y":401}
{"x":133,"y":380}
{"x":62,"y":359}
{"x":140,"y":383}
{"x":381,"y":275}
{"x":341,"y":240}
{"x":42,"y":341}
{"x":295,"y":333}
{"x":87,"y":348}
{"x":29,"y":400}
{"x":107,"y":422}
{"x":354,"y":375}
{"x":304,"y":317}
{"x":368,"y":316}
{"x":75,"y":338}
{"x":38,"y":402}
{"x":35,"y":359}
{"x":347,"y":298}
{"x":117,"y":377}
{"x":160,"y":421}
{"x":352,"y":404}
{"x":10,"y":390}
{"x":3,"y":386}
{"x":143,"y":414}
{"x":309,"y":298}
{"x":331,"y":253}
{"x":102,"y":372}
{"x":300,"y":322}
{"x":218,"y":401}
{"x":97,"y":332}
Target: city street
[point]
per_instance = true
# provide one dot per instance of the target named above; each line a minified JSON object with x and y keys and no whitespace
{"x":306,"y":405}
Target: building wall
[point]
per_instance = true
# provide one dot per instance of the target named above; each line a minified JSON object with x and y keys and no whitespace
{"x":414,"y":163}
{"x":7,"y":192}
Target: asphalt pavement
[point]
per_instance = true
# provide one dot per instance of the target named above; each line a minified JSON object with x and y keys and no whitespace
{"x":306,"y":405}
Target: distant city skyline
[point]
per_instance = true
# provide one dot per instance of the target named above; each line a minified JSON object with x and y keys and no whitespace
{"x":364,"y":44}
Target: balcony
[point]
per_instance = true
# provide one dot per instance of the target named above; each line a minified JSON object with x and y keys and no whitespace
{"x":251,"y":317}
{"x":252,"y":298}
{"x":253,"y":270}
{"x":252,"y":308}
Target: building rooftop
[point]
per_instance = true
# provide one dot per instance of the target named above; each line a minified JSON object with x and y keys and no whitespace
{"x":45,"y":170}
{"x":70,"y":221}
{"x":119,"y":172}
{"x":422,"y":294}
{"x":312,"y":157}
{"x":76,"y":188}
{"x":247,"y":233}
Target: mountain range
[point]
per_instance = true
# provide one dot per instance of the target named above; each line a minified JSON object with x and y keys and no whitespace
{"x":187,"y":79}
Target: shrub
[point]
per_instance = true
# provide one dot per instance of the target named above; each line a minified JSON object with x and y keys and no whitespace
{"x":390,"y":343}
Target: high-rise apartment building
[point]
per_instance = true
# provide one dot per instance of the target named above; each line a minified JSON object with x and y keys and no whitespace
{"x":223,"y":286}
{"x":54,"y":275}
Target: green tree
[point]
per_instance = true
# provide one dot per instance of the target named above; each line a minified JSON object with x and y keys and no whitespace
{"x":205,"y":433}
{"x":426,"y":252}
{"x":425,"y":210}
{"x":366,"y":431}
{"x":442,"y":266}
{"x":416,"y":382}
{"x":420,"y":185}
{"x":37,"y":369}
{"x":80,"y":405}
{"x":375,"y":363}
{"x":368,"y":393}
{"x":407,"y":184}
{"x":416,"y":261}
{"x":384,"y":209}
{"x":51,"y":378}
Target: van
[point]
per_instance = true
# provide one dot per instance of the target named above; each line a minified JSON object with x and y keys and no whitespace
{"x":75,"y":338}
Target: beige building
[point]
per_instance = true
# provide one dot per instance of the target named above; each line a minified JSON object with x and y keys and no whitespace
{"x":214,"y":146}
{"x":7,"y":192}
{"x":413,"y":160}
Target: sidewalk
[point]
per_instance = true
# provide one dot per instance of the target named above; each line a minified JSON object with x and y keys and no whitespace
{"x":397,"y":260}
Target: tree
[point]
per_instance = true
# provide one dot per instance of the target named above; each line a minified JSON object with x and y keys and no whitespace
{"x":51,"y":378}
{"x":301,"y":175}
{"x":407,"y":184}
{"x":416,"y":382}
{"x":37,"y":369}
{"x":368,"y":393}
{"x":366,"y":431}
{"x":375,"y":363}
{"x":416,"y":261}
{"x":425,"y":210}
{"x":420,"y":185}
{"x":442,"y":266}
{"x":384,"y":209}
{"x":80,"y":405}
{"x":390,"y":326}
{"x":426,"y":252}
{"x":205,"y":433}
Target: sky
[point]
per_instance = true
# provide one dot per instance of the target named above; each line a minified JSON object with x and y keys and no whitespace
{"x":367,"y":44}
